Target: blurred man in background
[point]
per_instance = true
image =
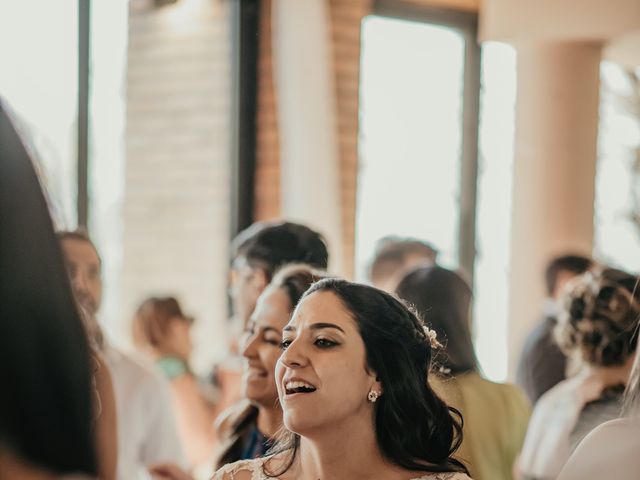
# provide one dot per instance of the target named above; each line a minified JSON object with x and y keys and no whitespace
{"x":542,"y":364}
{"x":395,"y":256}
{"x":146,"y":426}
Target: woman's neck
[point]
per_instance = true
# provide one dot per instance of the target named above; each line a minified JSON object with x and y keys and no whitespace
{"x":348,"y":451}
{"x":269,"y":420}
{"x":614,"y":374}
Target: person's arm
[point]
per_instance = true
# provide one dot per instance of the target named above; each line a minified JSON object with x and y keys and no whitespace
{"x":168,"y":471}
{"x":106,"y":422}
{"x":195,"y":417}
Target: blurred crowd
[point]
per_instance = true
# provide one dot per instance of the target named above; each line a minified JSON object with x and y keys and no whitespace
{"x":338,"y":379}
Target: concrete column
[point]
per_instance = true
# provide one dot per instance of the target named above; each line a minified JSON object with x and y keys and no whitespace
{"x":309,"y":170}
{"x":554,"y":169}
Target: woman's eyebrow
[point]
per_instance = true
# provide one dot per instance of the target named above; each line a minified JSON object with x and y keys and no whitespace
{"x":314,"y":326}
{"x":270,"y":329}
{"x":322,"y":325}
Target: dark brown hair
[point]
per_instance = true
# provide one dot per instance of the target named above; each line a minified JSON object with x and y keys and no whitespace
{"x":270,"y":245}
{"x":573,"y":263}
{"x":46,"y":408}
{"x":443,"y":298}
{"x":295,"y":279}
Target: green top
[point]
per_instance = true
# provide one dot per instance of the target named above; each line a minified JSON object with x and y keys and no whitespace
{"x":495,"y":422}
{"x":172,"y":367}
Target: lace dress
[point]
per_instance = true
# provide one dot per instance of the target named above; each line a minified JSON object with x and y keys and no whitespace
{"x":229,"y":472}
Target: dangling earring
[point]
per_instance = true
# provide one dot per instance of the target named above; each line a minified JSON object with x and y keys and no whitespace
{"x":373,"y":396}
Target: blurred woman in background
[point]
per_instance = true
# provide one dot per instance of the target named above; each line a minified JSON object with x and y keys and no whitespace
{"x":596,"y":329}
{"x":162,"y":332}
{"x":495,"y":415}
{"x":611,"y":450}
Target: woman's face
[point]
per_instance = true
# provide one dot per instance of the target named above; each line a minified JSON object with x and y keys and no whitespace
{"x":322,"y":375}
{"x":261,"y":346}
{"x":179,"y":337}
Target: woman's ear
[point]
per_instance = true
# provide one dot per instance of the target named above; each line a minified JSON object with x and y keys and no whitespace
{"x":260,"y":279}
{"x":378,"y":386}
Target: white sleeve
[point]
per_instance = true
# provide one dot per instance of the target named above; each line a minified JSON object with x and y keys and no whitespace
{"x":161,"y":442}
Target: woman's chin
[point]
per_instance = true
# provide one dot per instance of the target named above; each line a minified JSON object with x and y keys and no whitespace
{"x":299,"y":422}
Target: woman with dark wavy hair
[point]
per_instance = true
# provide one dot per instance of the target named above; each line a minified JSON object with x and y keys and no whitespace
{"x":596,"y":328}
{"x":353,"y":384}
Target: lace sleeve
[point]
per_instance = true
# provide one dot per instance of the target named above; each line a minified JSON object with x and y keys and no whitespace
{"x":242,"y":470}
{"x":445,"y":476}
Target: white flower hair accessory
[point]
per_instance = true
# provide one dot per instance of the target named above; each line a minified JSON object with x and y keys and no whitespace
{"x":432,"y":336}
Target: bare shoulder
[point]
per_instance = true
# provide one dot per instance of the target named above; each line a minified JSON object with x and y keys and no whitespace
{"x":612,"y":431}
{"x":609,"y":450}
{"x":242,"y":470}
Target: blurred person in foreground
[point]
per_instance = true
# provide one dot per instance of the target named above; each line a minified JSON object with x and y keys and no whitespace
{"x":495,"y":415}
{"x":395,"y":256}
{"x":596,"y":327}
{"x":162,"y":332}
{"x":611,"y":450}
{"x":248,"y":429}
{"x":542,"y":364}
{"x":146,"y":424}
{"x":49,"y":404}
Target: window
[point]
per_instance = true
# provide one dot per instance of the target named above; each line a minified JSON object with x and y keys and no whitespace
{"x":410,"y":135}
{"x":415,"y":177}
{"x":495,"y":170}
{"x":39,"y":81}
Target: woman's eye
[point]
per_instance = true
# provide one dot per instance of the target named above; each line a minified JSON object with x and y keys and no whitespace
{"x":272,"y":341}
{"x":285,"y":344}
{"x":324,"y":343}
{"x":249,"y":330}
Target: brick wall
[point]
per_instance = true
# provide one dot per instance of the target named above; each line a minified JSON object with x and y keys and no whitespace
{"x":464,"y":5}
{"x":267,"y":188}
{"x":176,"y":214}
{"x":346,"y":18}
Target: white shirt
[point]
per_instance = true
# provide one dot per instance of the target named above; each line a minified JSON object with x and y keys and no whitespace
{"x":147,"y":431}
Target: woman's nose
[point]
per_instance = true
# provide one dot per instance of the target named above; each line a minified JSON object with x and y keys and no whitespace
{"x":294,"y":356}
{"x":248,"y":345}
